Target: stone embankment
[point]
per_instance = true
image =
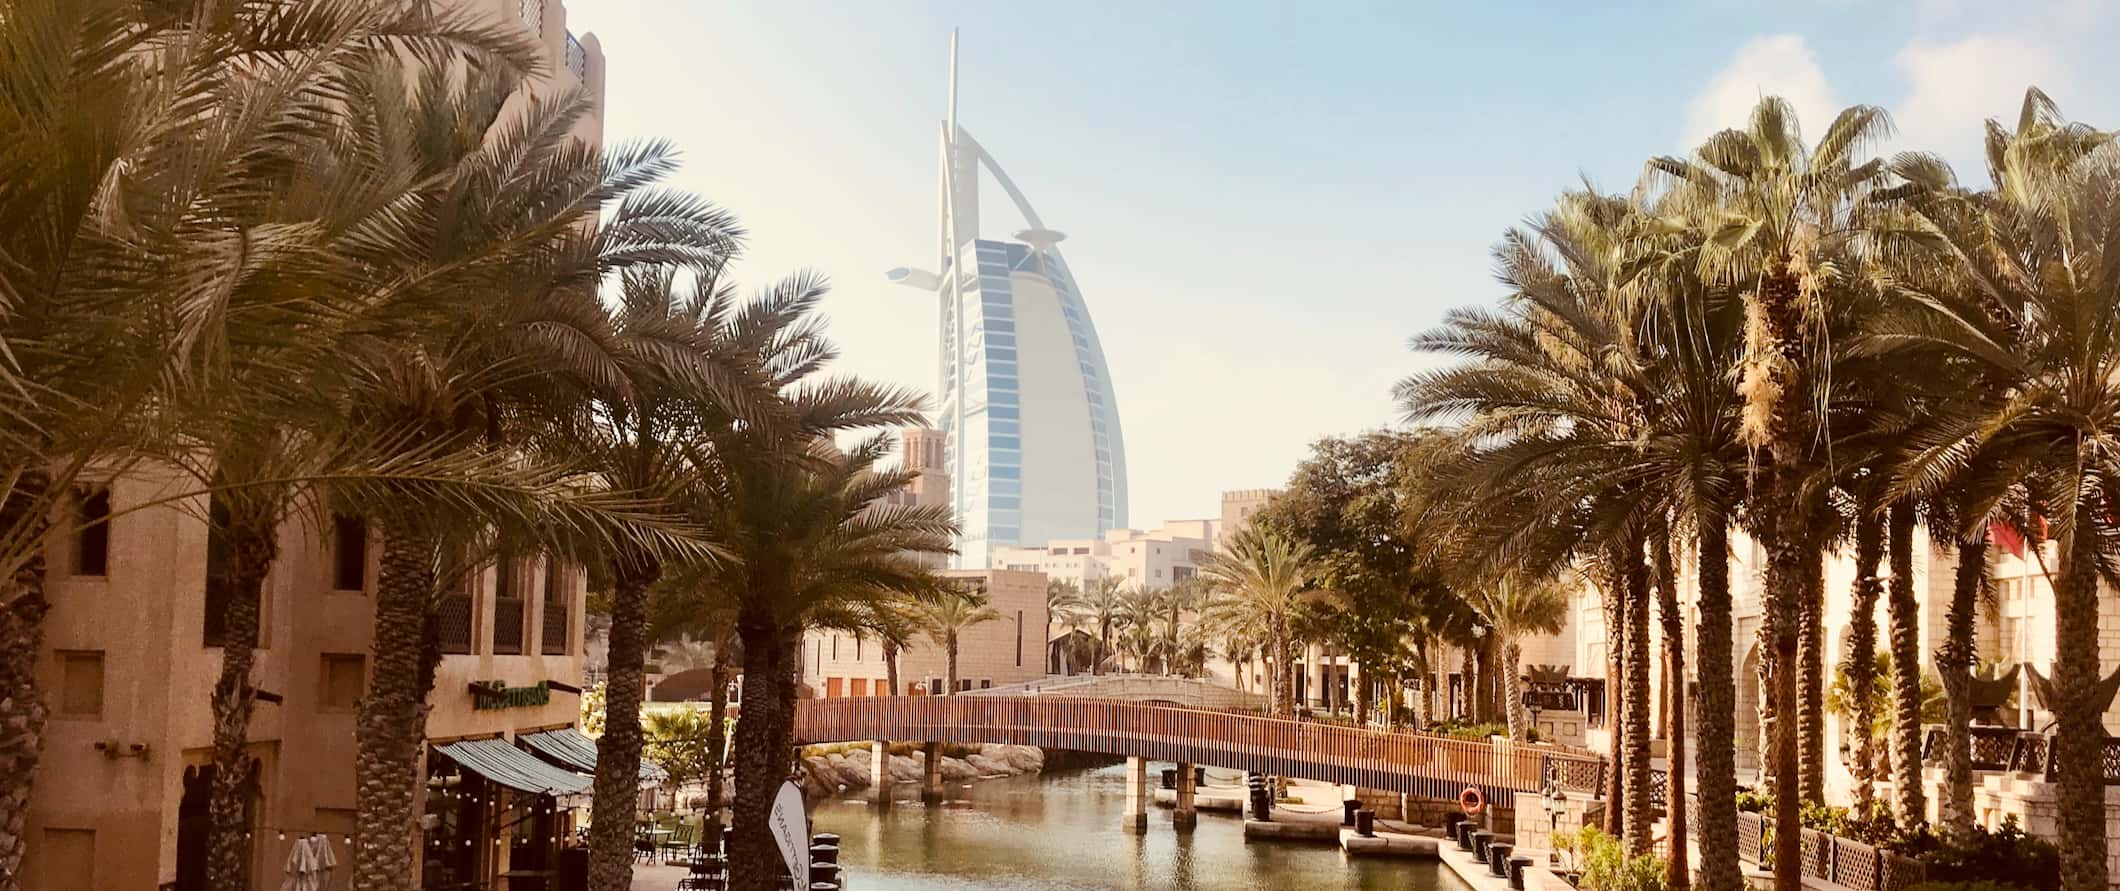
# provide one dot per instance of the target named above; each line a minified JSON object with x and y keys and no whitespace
{"x":836,"y":769}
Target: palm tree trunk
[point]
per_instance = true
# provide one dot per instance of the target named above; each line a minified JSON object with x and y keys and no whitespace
{"x":1512,"y":684}
{"x":1361,"y":693}
{"x":2079,"y":744}
{"x":1613,"y":594}
{"x":1954,"y":662}
{"x":1811,"y":656}
{"x":717,"y":719}
{"x":22,"y":709}
{"x":1104,"y":636}
{"x":1284,"y":693}
{"x":1787,"y":586}
{"x":1905,"y":615}
{"x":1641,"y":814}
{"x":1677,"y":870}
{"x":890,"y":666}
{"x":1860,"y":666}
{"x":1776,"y":393}
{"x":1718,"y":708}
{"x":617,"y":785}
{"x":253,"y":545}
{"x":950,"y":652}
{"x":392,"y":719}
{"x":764,"y":752}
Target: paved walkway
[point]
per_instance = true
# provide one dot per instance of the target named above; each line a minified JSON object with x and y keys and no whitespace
{"x":656,"y":878}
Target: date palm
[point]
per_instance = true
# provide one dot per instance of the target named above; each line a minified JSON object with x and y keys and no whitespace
{"x":946,"y":618}
{"x":1517,"y":608}
{"x":1103,"y":605}
{"x":2047,"y":329}
{"x":690,"y":598}
{"x":149,"y":147}
{"x":810,"y":537}
{"x":1778,"y":220}
{"x":1258,"y":580}
{"x":1063,"y":607}
{"x":1593,"y":400}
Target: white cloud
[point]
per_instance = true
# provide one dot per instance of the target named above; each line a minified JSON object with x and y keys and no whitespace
{"x":1777,"y":65}
{"x":1954,"y":86}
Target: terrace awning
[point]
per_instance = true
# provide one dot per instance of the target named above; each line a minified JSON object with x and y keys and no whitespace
{"x":509,"y":766}
{"x":571,"y":748}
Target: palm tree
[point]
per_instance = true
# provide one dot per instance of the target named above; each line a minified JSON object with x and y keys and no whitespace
{"x":2044,"y":330}
{"x":1102,"y":605}
{"x":677,"y":368}
{"x":686,"y":654}
{"x":945,"y":619}
{"x":1771,"y":215}
{"x":1517,"y":608}
{"x":1258,"y":579}
{"x":811,"y":540}
{"x":1598,"y":397}
{"x":1140,"y":612}
{"x":1063,"y":604}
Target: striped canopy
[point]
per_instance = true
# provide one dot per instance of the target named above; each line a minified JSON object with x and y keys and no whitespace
{"x":509,"y":766}
{"x":571,"y":748}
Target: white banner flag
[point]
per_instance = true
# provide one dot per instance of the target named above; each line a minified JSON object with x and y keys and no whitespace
{"x":791,"y":830}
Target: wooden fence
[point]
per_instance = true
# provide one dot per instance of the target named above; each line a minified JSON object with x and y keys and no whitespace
{"x":1414,"y":763}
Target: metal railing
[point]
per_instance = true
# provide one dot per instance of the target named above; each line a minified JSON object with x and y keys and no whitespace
{"x":1998,"y":748}
{"x":1415,"y":763}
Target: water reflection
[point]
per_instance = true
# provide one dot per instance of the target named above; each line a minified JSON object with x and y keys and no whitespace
{"x":1061,"y":831}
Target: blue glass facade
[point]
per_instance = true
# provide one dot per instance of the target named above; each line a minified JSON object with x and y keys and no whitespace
{"x":984,"y":412}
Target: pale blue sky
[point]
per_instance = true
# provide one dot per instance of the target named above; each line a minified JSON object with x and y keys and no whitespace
{"x":1264,"y":200}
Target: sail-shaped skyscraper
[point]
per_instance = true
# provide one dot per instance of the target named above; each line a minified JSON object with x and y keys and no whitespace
{"x":1025,"y":401}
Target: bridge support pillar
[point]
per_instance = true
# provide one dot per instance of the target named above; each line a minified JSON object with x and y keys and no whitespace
{"x":1184,"y":816}
{"x":931,"y":773}
{"x":1136,"y":818}
{"x":880,"y":772}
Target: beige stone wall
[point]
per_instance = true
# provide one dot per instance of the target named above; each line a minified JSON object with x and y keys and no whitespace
{"x":146,"y":618}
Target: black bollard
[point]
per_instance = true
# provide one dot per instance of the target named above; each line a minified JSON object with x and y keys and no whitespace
{"x":827,"y":873}
{"x":1498,"y":859}
{"x":1170,"y":778}
{"x":1365,"y":823}
{"x":1199,"y":776}
{"x":825,"y":838}
{"x":1517,"y":865}
{"x":1480,"y":840}
{"x":1464,"y":834}
{"x":1347,"y":809}
{"x":825,"y":854}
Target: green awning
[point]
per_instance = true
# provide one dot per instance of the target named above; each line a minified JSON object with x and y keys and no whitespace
{"x":573,"y":749}
{"x":509,"y":766}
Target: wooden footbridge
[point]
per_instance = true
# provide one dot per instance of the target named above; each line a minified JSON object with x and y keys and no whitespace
{"x":1413,"y":763}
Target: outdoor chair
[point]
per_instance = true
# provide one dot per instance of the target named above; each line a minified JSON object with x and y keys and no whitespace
{"x":683,"y":841}
{"x":643,"y":844}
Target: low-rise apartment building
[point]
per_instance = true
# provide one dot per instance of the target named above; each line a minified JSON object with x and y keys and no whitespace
{"x":1008,"y":650}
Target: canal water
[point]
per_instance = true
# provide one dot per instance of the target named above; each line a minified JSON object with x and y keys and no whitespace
{"x":1061,"y":830}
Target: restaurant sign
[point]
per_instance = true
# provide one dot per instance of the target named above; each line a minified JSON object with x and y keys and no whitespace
{"x":496,"y":695}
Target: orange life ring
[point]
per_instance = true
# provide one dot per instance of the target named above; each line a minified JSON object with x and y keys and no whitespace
{"x":1471,"y":801}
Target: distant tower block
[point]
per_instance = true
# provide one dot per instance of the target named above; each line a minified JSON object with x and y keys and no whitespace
{"x":1031,"y":448}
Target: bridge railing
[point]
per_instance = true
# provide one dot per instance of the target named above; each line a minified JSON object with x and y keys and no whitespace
{"x":1413,"y":762}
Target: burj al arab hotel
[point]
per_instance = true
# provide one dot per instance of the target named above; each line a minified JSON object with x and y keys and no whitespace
{"x":1025,"y":402}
